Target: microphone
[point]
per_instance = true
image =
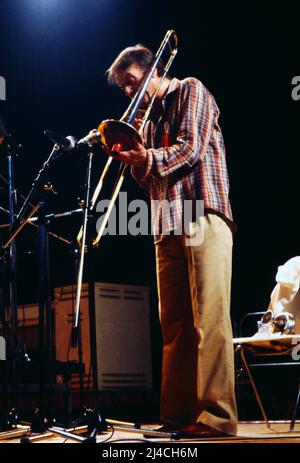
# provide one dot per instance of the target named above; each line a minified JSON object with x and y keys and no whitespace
{"x":66,"y":143}
{"x":69,"y":143}
{"x":91,"y":138}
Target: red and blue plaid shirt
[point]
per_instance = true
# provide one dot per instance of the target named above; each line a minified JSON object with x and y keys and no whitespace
{"x":186,"y":155}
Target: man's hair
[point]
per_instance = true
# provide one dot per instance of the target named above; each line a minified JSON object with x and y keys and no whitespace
{"x":138,"y":54}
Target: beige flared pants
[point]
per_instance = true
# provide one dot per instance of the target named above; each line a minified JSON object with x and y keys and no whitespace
{"x":194,"y":284}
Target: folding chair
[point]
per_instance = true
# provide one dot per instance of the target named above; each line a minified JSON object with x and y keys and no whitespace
{"x":269,"y":351}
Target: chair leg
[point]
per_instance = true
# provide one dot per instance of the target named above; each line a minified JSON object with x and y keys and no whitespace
{"x":240,"y":348}
{"x":293,"y":420}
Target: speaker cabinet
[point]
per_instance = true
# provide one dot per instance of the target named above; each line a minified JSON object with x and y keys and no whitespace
{"x":122,"y":335}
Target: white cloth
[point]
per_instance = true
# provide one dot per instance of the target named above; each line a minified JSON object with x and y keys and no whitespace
{"x":288,"y":281}
{"x":285,"y":291}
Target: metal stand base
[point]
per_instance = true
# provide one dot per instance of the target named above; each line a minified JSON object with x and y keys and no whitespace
{"x":74,"y":433}
{"x":8,"y":421}
{"x":40,"y":423}
{"x":18,"y":431}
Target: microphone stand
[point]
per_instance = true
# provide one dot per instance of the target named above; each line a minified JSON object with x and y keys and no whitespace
{"x":7,"y":421}
{"x":76,"y":257}
{"x":41,"y":421}
{"x":13,"y":286}
{"x":96,"y":423}
{"x":17,"y":224}
{"x":20,"y":221}
{"x":39,"y":222}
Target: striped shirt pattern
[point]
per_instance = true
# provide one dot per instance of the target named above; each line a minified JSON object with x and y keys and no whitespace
{"x":185,"y":155}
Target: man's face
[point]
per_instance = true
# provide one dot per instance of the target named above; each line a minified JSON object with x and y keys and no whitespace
{"x":130,"y":81}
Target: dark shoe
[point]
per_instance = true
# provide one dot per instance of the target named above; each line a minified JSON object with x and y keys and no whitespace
{"x":200,"y":430}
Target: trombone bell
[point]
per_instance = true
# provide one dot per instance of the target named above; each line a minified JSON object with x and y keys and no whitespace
{"x":113,"y":132}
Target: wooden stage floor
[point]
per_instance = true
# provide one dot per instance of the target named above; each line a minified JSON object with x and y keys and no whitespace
{"x":248,"y":432}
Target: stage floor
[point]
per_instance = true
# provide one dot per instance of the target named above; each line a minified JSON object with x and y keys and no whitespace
{"x":248,"y":432}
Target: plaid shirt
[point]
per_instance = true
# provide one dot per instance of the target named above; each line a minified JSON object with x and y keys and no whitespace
{"x":186,"y":156}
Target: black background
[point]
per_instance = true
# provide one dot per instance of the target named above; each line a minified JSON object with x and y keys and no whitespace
{"x":54,"y":55}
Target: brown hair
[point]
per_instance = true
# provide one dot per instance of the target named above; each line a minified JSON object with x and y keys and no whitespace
{"x":138,"y":54}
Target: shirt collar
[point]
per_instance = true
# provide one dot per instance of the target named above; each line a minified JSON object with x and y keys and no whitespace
{"x":174,"y":85}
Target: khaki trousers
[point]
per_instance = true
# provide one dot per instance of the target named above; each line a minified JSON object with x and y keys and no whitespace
{"x":194,"y":285}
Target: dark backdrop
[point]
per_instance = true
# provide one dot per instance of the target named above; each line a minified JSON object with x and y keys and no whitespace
{"x":54,"y":55}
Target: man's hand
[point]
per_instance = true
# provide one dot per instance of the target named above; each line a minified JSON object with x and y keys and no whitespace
{"x":136,"y":156}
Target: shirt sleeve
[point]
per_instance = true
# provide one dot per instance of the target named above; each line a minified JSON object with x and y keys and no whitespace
{"x":196,"y":114}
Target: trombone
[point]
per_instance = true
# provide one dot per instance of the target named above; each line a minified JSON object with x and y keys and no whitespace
{"x":122,"y":134}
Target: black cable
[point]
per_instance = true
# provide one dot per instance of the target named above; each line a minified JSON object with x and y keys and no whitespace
{"x":106,"y":440}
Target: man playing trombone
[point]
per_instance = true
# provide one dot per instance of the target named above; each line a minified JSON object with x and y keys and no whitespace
{"x":182,"y":159}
